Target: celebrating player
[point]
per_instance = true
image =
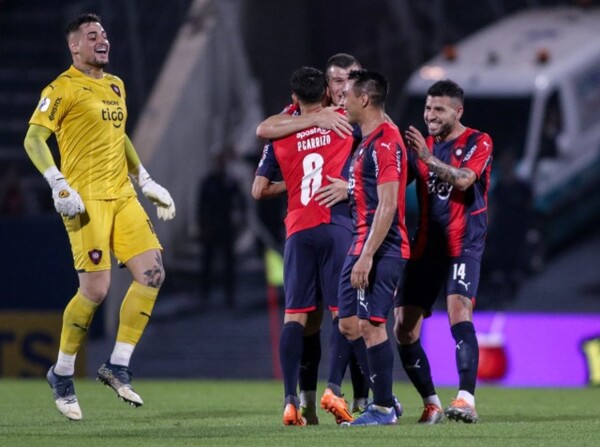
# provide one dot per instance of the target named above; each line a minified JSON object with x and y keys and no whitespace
{"x":333,"y":191}
{"x":85,"y":108}
{"x":317,"y":237}
{"x":452,"y":170}
{"x":374,"y":268}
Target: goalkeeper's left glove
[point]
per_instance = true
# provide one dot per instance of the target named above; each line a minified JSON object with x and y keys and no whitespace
{"x":165,"y":207}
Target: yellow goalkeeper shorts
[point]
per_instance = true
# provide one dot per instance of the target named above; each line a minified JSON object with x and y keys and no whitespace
{"x":120,"y":226}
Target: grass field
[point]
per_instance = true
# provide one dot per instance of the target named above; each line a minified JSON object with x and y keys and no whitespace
{"x":228,"y":413}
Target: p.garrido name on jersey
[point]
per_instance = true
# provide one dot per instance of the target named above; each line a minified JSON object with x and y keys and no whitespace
{"x":307,"y":139}
{"x":114,"y":115}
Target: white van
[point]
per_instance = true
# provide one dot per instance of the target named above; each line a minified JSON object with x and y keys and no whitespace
{"x":532,"y":81}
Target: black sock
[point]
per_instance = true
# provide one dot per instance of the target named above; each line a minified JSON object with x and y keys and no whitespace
{"x":416,"y":364}
{"x":340,"y":355}
{"x":290,"y":353}
{"x":360,"y":383}
{"x":381,"y":367}
{"x":359,"y":349}
{"x":467,"y":355}
{"x":309,"y":364}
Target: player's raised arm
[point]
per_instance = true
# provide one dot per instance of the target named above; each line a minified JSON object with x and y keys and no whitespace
{"x":461,"y":178}
{"x":165,"y":207}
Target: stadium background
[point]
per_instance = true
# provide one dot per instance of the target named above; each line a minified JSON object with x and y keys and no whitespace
{"x":200,"y":76}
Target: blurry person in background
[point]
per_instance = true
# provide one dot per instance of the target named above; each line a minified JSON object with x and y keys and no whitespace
{"x":16,"y":198}
{"x":221,"y":212}
{"x":511,"y":219}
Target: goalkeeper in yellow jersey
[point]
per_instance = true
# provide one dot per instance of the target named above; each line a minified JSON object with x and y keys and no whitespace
{"x":85,"y":109}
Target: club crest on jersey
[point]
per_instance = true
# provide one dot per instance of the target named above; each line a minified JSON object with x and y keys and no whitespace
{"x":116,"y":89}
{"x":95,"y":256}
{"x":458,"y":151}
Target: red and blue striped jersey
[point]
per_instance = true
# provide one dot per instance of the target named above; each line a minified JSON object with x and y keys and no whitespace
{"x":453,"y":222}
{"x":305,"y":159}
{"x":380,"y":158}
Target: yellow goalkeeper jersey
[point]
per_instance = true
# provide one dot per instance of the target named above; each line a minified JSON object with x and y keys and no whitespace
{"x":88,"y":117}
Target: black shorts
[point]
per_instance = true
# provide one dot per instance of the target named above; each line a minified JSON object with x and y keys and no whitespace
{"x":313,"y":260}
{"x":427,"y":278}
{"x":374,"y":303}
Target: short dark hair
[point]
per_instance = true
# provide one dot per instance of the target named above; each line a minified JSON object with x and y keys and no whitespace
{"x":308,"y":84}
{"x":73,"y":26}
{"x":449,"y":88}
{"x":342,"y":60}
{"x":371,"y":83}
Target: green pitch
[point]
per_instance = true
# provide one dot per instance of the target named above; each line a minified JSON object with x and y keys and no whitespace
{"x":248,"y":413}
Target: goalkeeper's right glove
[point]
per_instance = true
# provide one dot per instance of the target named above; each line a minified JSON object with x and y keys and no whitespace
{"x":67,"y":201}
{"x":165,"y":207}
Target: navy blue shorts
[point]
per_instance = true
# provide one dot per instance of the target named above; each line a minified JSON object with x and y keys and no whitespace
{"x":375,"y":302}
{"x":313,"y":260}
{"x":427,"y":278}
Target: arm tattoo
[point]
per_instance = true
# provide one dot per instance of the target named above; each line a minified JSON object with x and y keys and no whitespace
{"x":446,"y":172}
{"x":154,"y":276}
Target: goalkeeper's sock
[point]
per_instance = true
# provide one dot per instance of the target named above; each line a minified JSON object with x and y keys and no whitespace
{"x":65,"y":364}
{"x":121,"y":354}
{"x":136,"y":310}
{"x":76,"y":319}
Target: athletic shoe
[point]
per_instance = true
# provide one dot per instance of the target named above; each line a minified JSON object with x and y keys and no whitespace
{"x":360,"y":405}
{"x":398,"y":407}
{"x":372,"y":416}
{"x":119,"y":379}
{"x":460,"y":410}
{"x":291,"y":416}
{"x":336,"y":405}
{"x":63,"y":391}
{"x":309,"y":414}
{"x":432,"y":414}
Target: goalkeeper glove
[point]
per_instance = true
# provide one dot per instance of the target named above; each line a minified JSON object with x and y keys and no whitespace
{"x":165,"y":207}
{"x":67,"y":201}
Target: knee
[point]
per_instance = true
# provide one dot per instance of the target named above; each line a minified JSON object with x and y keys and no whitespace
{"x":95,"y":291}
{"x":405,"y":333}
{"x":349,"y":328}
